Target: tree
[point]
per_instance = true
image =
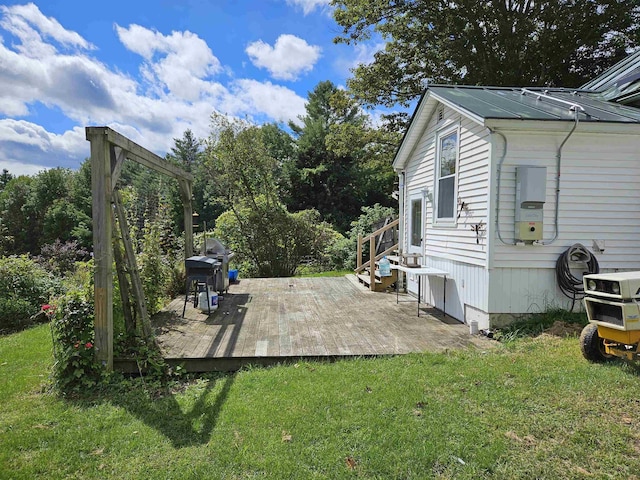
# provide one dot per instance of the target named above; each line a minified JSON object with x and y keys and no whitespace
{"x":14,"y":220}
{"x":4,"y":178}
{"x":81,"y":198}
{"x":373,"y":149}
{"x":325,"y":180}
{"x":267,"y":239}
{"x":239,"y":163}
{"x":47,"y":187}
{"x":64,"y":222}
{"x":186,"y":151}
{"x":342,"y":162}
{"x":188,"y":154}
{"x":282,"y":148}
{"x":550,"y":42}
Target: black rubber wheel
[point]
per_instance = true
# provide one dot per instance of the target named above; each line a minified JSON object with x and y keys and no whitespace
{"x":592,"y":345}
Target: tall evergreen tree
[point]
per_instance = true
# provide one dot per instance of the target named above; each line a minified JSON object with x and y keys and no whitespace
{"x":325,"y":180}
{"x":4,"y":178}
{"x":188,"y":153}
{"x":340,"y":165}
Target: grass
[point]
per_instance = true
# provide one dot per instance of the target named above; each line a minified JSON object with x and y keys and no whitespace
{"x":539,"y":322}
{"x":532,"y":409}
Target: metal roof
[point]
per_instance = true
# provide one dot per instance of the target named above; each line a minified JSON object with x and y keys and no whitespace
{"x":620,"y":83}
{"x":547,"y":104}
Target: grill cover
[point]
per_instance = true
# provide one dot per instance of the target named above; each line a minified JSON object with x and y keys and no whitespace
{"x":201,"y":268}
{"x":200,"y":262}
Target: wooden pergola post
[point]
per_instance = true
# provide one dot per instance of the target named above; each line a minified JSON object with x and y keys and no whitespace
{"x":185,"y":194}
{"x":102,"y":256}
{"x":106,"y":165}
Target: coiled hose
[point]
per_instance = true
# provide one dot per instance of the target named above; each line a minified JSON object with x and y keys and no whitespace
{"x":570,"y":285}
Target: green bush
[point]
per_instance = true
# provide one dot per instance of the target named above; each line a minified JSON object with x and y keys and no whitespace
{"x":271,"y":242}
{"x":72,"y":325}
{"x":75,"y":368}
{"x":154,"y":268}
{"x":347,"y":249}
{"x":24,"y":288}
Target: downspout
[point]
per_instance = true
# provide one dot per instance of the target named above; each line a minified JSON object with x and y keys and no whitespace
{"x":401,"y":210}
{"x":575,"y":109}
{"x":498,"y":177}
{"x":401,"y":223}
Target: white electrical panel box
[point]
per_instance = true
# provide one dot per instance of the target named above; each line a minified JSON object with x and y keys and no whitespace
{"x":531,"y":189}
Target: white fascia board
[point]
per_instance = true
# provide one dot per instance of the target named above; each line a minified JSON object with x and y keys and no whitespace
{"x":415,"y":129}
{"x":472,"y":116}
{"x":420,"y":120}
{"x":543,"y":126}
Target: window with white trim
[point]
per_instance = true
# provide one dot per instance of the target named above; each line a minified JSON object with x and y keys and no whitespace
{"x":446,"y":174}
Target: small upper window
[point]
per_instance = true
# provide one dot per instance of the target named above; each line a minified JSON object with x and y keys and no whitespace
{"x":446,"y":175}
{"x":440,"y":114}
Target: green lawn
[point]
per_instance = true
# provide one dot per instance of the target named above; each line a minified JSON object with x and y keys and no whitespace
{"x":533,"y":409}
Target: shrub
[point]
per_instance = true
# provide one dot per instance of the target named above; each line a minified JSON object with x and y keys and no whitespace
{"x":347,"y":250}
{"x":60,"y":258}
{"x":177,"y":279}
{"x":75,"y":368}
{"x":72,"y":325}
{"x":154,"y":268}
{"x":25,"y":286}
{"x":269,"y":241}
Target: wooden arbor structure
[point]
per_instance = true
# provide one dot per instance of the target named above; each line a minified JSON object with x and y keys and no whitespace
{"x":109,"y":150}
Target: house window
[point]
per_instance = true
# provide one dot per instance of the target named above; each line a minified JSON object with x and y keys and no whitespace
{"x":448,"y":146}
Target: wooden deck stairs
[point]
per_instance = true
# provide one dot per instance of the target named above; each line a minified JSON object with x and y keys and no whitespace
{"x":382,"y":242}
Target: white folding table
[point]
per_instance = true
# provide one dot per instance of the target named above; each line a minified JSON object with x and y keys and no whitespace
{"x":423,"y":272}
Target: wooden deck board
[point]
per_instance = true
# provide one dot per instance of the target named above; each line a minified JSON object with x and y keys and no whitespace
{"x":304,"y":317}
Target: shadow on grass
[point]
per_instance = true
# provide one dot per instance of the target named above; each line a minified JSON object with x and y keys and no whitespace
{"x":191,"y":424}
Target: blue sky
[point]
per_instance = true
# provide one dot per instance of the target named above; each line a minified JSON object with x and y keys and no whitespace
{"x":152,"y":69}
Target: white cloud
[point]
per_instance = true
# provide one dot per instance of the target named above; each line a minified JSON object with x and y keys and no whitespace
{"x":287,"y":59}
{"x":181,"y":61}
{"x":29,"y":24}
{"x":24,"y":143}
{"x":177,"y":90}
{"x":18,"y":168}
{"x":309,"y":6}
{"x":20,"y":131}
{"x":276,"y":101}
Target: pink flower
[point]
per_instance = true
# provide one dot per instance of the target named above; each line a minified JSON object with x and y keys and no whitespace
{"x":46,"y":307}
{"x":88,"y":345}
{"x":76,"y":345}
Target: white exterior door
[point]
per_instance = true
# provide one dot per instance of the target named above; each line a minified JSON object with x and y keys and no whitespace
{"x":416,"y":235}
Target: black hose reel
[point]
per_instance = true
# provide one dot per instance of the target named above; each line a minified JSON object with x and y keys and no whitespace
{"x":570,"y":285}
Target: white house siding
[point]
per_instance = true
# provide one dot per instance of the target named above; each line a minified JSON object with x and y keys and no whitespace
{"x":516,"y":291}
{"x":599,"y":200}
{"x":467,"y":284}
{"x":454,"y":249}
{"x":458,"y":242}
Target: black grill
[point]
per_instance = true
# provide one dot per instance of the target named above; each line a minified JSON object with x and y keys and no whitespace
{"x":607,"y":313}
{"x":200,"y":266}
{"x":201,"y":272}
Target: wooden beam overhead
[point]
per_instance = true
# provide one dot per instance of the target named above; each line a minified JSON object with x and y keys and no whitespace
{"x":138,"y":153}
